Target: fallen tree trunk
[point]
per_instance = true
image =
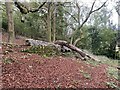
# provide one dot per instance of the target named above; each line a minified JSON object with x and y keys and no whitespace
{"x":60,"y":45}
{"x":32,"y":42}
{"x":118,"y":67}
{"x":74,"y":48}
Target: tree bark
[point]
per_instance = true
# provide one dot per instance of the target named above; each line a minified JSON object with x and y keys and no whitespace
{"x":24,"y":9}
{"x":74,"y":48}
{"x":49,"y":22}
{"x":118,"y":41}
{"x":9,"y":12}
{"x":71,"y":40}
{"x":76,"y":41}
{"x":54,"y":24}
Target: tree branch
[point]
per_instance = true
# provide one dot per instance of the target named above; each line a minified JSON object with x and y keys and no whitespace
{"x":92,"y":6}
{"x":90,"y":12}
{"x":117,"y":10}
{"x":71,"y":15}
{"x":37,"y":9}
{"x":118,"y":7}
{"x":24,"y":10}
{"x":100,"y":7}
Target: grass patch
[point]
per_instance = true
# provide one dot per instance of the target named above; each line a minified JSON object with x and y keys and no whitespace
{"x":93,"y":63}
{"x":113,"y":72}
{"x":45,"y":51}
{"x":85,"y":74}
{"x":8,"y":60}
{"x":112,"y":85}
{"x":103,"y":60}
{"x":110,"y":62}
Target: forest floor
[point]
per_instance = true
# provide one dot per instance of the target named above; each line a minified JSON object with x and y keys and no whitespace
{"x":26,"y":70}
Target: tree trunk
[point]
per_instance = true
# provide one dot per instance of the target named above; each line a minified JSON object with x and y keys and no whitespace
{"x":10,"y":22}
{"x":49,"y":22}
{"x":71,"y":40}
{"x":119,"y":25}
{"x":76,"y":41}
{"x":83,"y":55}
{"x":54,"y":25}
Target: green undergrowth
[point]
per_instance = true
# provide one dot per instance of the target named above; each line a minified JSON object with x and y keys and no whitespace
{"x":46,"y":51}
{"x":8,"y":60}
{"x":92,"y":62}
{"x":111,"y":62}
{"x":113,"y":72}
{"x":85,"y":74}
{"x":113,"y":85}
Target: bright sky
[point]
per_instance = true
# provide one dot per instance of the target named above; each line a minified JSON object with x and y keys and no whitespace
{"x":110,"y":6}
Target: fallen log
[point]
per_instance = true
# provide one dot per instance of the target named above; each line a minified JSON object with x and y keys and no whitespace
{"x":83,"y":55}
{"x":61,"y":45}
{"x":32,"y":42}
{"x":118,"y":67}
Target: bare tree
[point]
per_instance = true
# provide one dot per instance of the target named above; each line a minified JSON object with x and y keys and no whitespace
{"x":86,"y":19}
{"x":79,"y":19}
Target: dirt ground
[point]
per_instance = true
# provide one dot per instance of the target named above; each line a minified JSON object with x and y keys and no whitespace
{"x":27,"y":70}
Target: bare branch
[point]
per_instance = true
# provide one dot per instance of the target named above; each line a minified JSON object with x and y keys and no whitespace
{"x":92,"y":6}
{"x":24,"y":10}
{"x":100,"y":7}
{"x":118,"y":8}
{"x":90,"y":12}
{"x":37,"y":9}
{"x":71,"y":15}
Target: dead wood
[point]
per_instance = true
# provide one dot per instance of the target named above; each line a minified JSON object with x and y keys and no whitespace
{"x":32,"y":42}
{"x":83,"y":55}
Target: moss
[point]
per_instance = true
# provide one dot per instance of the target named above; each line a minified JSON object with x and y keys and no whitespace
{"x":45,"y":51}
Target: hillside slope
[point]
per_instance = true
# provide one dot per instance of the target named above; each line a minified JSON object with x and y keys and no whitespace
{"x":26,"y":70}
